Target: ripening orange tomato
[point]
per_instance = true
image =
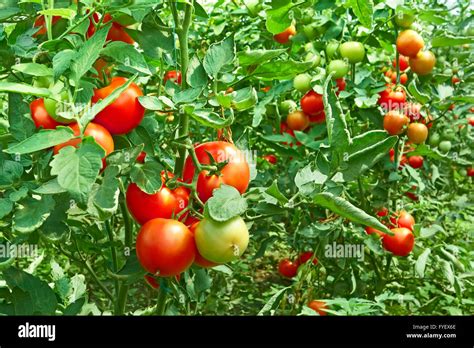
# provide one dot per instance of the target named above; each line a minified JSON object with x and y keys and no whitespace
{"x":394,"y":121}
{"x":417,"y":133}
{"x":409,"y":43}
{"x":285,"y":36}
{"x":297,"y":120}
{"x":423,"y":63}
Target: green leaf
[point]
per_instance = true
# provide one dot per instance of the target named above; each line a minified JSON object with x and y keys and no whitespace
{"x":51,"y":187}
{"x":6,"y":207}
{"x":55,"y":226}
{"x":196,"y":76}
{"x":244,"y":98}
{"x":306,"y":179}
{"x":219,"y":55}
{"x":62,"y":61}
{"x":187,"y":95}
{"x":274,"y":301}
{"x":67,"y":13}
{"x":256,"y":57}
{"x":44,"y":139}
{"x":32,"y":214}
{"x":23,"y":89}
{"x":278,"y":17}
{"x":419,"y":96}
{"x":202,"y":281}
{"x":106,"y":198}
{"x":19,"y":119}
{"x":444,"y":40}
{"x":151,"y":103}
{"x":10,"y":172}
{"x":281,"y":70}
{"x":77,"y":169}
{"x":36,"y":296}
{"x":151,"y":40}
{"x":33,"y":69}
{"x":88,"y":53}
{"x":362,"y":160}
{"x":275,"y":192}
{"x":127,"y":55}
{"x":421,"y":263}
{"x":147,"y":177}
{"x":363,"y":9}
{"x":225,"y":204}
{"x":346,"y":210}
{"x":447,"y":271}
{"x":208,"y":118}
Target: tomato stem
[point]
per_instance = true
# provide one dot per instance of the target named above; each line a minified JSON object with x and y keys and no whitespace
{"x":162,"y":294}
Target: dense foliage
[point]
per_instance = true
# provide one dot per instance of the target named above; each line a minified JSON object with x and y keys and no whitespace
{"x":236,"y":157}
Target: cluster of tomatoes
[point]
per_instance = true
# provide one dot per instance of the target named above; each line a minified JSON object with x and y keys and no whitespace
{"x":170,"y":239}
{"x":401,"y":225}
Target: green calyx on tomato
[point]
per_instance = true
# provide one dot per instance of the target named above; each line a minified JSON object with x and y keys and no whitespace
{"x":222,"y":242}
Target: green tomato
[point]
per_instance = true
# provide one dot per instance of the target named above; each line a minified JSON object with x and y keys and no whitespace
{"x":339,"y":67}
{"x":308,"y":16}
{"x":463,"y":172}
{"x":302,"y":82}
{"x":43,"y":81}
{"x":331,"y":49}
{"x":310,"y":31}
{"x":222,"y":242}
{"x":404,"y":20}
{"x":445,"y":146}
{"x":352,"y":50}
{"x":314,"y":57}
{"x":449,"y":134}
{"x":288,"y":106}
{"x":434,"y":139}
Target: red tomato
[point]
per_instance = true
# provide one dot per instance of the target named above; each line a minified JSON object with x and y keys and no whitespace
{"x":402,"y":62}
{"x":455,"y":80}
{"x":165,"y":247}
{"x":125,"y":113}
{"x":470,"y":171}
{"x":392,"y":98}
{"x":297,"y":120}
{"x":99,"y":133}
{"x":285,"y":36}
{"x":415,"y":161}
{"x":40,"y":116}
{"x":471,"y":121}
{"x":412,"y":196}
{"x":318,"y":118}
{"x":284,"y":129}
{"x":394,"y":122}
{"x":154,"y":283}
{"x":40,"y":22}
{"x":270,"y":159}
{"x":370,"y":230}
{"x":409,"y":43}
{"x":141,"y":157}
{"x":403,"y":219}
{"x":305,"y":257}
{"x":318,"y":306}
{"x":401,"y":243}
{"x":174,"y":76}
{"x":312,"y":103}
{"x":341,"y":84}
{"x":423,"y":63}
{"x":117,"y":31}
{"x":235,"y":173}
{"x":92,"y":23}
{"x":165,"y":203}
{"x":199,"y":260}
{"x":288,"y":268}
{"x":384,"y":211}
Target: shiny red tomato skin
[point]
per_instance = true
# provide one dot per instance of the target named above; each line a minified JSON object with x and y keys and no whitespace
{"x":99,"y":133}
{"x":470,"y":171}
{"x":318,"y":118}
{"x":402,"y":62}
{"x":270,"y":159}
{"x":392,"y":98}
{"x":235,"y":173}
{"x":312,"y":103}
{"x":165,"y":247}
{"x":117,"y":32}
{"x":384,"y":211}
{"x":165,"y":203}
{"x":199,"y":260}
{"x":306,"y":256}
{"x":403,"y":219}
{"x":401,"y":243}
{"x":173,"y":76}
{"x":415,"y":161}
{"x":288,"y":268}
{"x":40,"y":116}
{"x":341,"y":84}
{"x":125,"y":113}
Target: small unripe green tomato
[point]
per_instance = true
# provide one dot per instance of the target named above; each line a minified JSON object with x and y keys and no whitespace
{"x":302,"y":82}
{"x":339,"y":67}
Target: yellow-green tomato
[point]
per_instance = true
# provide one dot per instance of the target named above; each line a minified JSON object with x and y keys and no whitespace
{"x":404,"y":20}
{"x":331,"y":49}
{"x":352,"y":50}
{"x":222,"y":242}
{"x":314,"y":57}
{"x":302,"y":83}
{"x":339,"y":67}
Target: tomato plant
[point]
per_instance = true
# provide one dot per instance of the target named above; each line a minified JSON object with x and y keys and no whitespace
{"x":236,"y":157}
